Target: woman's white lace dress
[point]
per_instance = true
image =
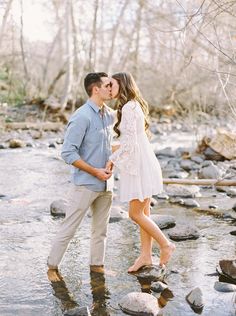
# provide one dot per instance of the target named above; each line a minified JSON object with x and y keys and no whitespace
{"x":140,"y":172}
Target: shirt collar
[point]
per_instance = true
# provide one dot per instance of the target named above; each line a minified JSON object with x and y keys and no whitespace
{"x":95,"y":107}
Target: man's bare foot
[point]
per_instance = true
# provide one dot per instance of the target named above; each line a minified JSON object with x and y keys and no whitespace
{"x":96,"y":268}
{"x":54,"y":275}
{"x":165,"y":253}
{"x":139,"y":263}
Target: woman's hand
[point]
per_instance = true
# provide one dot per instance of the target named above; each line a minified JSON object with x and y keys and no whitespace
{"x":109,"y":166}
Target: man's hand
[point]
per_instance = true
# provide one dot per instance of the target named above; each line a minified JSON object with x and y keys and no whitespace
{"x":109,"y":166}
{"x":103,"y":174}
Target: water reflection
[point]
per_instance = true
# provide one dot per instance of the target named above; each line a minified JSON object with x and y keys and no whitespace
{"x":100,"y":294}
{"x":62,"y":293}
{"x":99,"y":291}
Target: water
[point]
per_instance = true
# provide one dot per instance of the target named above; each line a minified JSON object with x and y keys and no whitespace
{"x":31,"y":179}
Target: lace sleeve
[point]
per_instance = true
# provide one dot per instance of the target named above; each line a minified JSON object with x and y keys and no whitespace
{"x":127,"y":156}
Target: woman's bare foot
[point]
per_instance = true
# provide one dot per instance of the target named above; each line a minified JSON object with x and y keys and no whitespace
{"x":139,"y":263}
{"x":54,"y":275}
{"x":165,"y":253}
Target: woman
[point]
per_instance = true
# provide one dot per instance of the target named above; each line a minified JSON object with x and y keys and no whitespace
{"x":140,"y":172}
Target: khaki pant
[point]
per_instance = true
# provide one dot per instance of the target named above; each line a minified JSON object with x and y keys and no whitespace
{"x":80,"y":199}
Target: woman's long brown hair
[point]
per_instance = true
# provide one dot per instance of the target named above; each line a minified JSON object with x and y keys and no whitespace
{"x":128,"y":91}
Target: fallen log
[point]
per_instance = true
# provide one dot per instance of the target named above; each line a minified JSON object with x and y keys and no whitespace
{"x":215,"y":182}
{"x":42,"y":126}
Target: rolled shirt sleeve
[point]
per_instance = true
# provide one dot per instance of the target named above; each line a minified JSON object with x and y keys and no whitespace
{"x":74,"y":135}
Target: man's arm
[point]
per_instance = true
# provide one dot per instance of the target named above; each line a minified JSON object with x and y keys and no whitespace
{"x":101,"y":174}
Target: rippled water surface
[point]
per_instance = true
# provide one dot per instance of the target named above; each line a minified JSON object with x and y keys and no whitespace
{"x":30,"y":180}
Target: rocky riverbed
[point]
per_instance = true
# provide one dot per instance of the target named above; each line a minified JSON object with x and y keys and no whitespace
{"x":200,"y":220}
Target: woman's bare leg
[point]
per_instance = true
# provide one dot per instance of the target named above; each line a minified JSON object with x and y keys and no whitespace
{"x":145,"y":257}
{"x":136,"y":213}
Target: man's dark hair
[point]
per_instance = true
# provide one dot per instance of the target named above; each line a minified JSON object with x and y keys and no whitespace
{"x":93,"y":79}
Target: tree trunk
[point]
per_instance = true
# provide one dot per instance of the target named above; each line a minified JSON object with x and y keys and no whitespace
{"x":70,"y":59}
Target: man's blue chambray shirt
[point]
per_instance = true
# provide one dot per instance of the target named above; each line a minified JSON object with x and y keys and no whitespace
{"x":88,"y":137}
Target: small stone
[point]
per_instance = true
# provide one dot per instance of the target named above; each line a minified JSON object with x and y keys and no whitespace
{"x":207,"y":163}
{"x":140,"y":304}
{"x":178,"y":175}
{"x":164,"y":221}
{"x":233,"y":233}
{"x":177,"y":201}
{"x":52,"y":145}
{"x":158,"y":286}
{"x":197,"y":159}
{"x":191,"y":203}
{"x":166,"y":152}
{"x":164,"y":196}
{"x":187,"y":164}
{"x":184,"y":233}
{"x":16,"y":143}
{"x":2,"y":146}
{"x":194,"y":298}
{"x":224,"y":287}
{"x":153,"y":202}
{"x":212,"y":206}
{"x":58,"y":207}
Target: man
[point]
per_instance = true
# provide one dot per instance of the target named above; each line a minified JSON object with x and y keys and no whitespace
{"x":87,"y":147}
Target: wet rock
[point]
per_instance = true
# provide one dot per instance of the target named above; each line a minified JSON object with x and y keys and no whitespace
{"x":58,"y":207}
{"x":142,"y":304}
{"x":168,"y":152}
{"x":191,"y":203}
{"x":184,"y":233}
{"x":29,"y":144}
{"x":164,"y":196}
{"x":183,"y":190}
{"x":233,"y":232}
{"x":117,"y":214}
{"x":164,"y":221}
{"x":210,"y":172}
{"x":228,"y":268}
{"x":150,"y":273}
{"x":228,"y":190}
{"x":224,"y":287}
{"x":78,"y":311}
{"x":16,"y":143}
{"x":178,"y":175}
{"x":234,"y":207}
{"x":158,"y":286}
{"x":195,"y":300}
